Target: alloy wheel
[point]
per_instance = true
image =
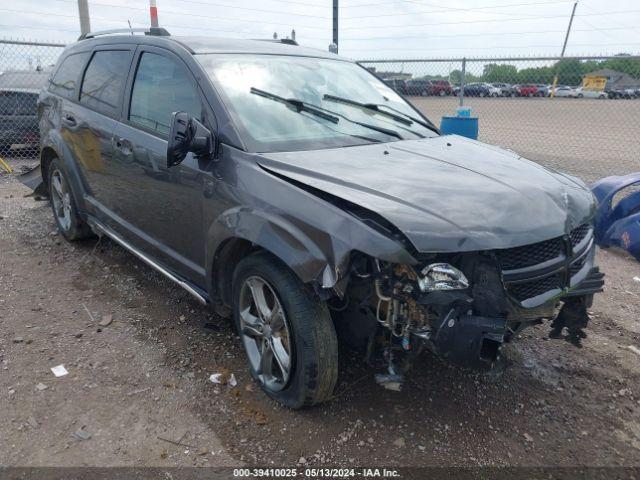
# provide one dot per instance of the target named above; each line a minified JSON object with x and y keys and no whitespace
{"x":265,"y":333}
{"x":61,"y":198}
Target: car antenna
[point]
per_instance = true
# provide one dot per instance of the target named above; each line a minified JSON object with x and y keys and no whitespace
{"x":130,"y":28}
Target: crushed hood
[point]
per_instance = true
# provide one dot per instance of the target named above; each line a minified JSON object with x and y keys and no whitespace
{"x":446,"y":194}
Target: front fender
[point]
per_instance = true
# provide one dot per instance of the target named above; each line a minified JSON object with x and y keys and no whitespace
{"x":283,"y":239}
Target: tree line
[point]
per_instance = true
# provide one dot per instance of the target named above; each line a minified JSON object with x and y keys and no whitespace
{"x":570,"y":71}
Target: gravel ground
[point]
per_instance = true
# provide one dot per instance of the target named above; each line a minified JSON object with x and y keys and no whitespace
{"x":141,"y":382}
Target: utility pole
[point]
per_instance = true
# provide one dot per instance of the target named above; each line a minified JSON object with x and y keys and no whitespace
{"x":564,"y":48}
{"x":335,"y":25}
{"x":153,"y":10}
{"x":83,"y":13}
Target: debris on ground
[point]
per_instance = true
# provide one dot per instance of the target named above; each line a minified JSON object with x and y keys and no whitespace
{"x":33,"y":423}
{"x":399,"y":442}
{"x":636,"y":279}
{"x":224,"y":377}
{"x":635,"y":350}
{"x":18,"y":340}
{"x":390,"y":381}
{"x":88,"y":313}
{"x":59,"y":371}
{"x":81,"y":435}
{"x":41,"y":386}
{"x":106,"y":320}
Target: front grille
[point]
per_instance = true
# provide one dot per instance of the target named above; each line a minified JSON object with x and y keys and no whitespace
{"x":520,"y":257}
{"x":528,"y":256}
{"x":578,"y":234}
{"x":524,"y":290}
{"x":577,"y":265}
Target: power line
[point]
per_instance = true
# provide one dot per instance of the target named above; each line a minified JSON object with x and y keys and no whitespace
{"x":454,"y":9}
{"x":278,"y":12}
{"x":292,"y":2}
{"x":495,"y":47}
{"x":485,"y":21}
{"x":456,"y":35}
{"x":227,"y":19}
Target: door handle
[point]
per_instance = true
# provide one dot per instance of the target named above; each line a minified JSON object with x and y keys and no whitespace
{"x":69,"y":120}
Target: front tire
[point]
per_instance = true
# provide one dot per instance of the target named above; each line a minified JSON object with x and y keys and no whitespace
{"x":64,"y":206}
{"x":286,"y":331}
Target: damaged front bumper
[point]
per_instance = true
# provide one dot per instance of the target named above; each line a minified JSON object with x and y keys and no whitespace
{"x":466,"y":322}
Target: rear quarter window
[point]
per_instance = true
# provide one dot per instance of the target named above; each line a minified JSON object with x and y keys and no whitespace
{"x":63,"y":82}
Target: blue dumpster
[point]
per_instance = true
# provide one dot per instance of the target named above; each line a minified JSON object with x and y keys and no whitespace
{"x":463,"y":126}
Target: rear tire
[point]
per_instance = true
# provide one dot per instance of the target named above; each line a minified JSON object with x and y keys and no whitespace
{"x":64,"y":205}
{"x":300,"y":331}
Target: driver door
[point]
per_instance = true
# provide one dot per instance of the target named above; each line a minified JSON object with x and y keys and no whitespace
{"x":161,"y":208}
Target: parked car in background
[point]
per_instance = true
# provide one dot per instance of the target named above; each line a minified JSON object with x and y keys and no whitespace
{"x":18,"y":120}
{"x":418,"y":87}
{"x":506,"y":89}
{"x":440,"y":88}
{"x":566,"y":92}
{"x":527,"y":90}
{"x":583,"y":93}
{"x":477,"y":90}
{"x":396,"y":84}
{"x":621,"y":93}
{"x":493,"y":91}
{"x":543,"y":90}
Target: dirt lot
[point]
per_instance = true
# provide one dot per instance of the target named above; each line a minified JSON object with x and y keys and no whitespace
{"x":589,"y":138}
{"x":141,"y":382}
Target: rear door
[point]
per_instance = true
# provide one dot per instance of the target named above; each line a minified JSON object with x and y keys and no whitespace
{"x":94,"y":118}
{"x":160,"y":208}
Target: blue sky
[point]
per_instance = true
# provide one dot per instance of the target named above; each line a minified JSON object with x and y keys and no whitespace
{"x":368,"y":28}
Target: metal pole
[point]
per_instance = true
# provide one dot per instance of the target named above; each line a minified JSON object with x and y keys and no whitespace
{"x":564,"y":48}
{"x":83,"y":13}
{"x":335,"y":24}
{"x":153,"y":10}
{"x":462,"y":79}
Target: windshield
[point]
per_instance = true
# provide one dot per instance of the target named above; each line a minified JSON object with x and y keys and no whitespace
{"x":269,"y":126}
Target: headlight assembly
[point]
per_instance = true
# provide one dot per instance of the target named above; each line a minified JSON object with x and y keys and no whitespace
{"x":442,"y":276}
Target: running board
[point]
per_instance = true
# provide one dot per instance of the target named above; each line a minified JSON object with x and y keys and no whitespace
{"x":99,"y":227}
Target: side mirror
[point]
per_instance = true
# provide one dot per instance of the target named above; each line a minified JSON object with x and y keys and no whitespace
{"x":188,"y":135}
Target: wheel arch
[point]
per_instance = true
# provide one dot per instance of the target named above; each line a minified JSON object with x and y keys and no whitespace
{"x":240,"y":232}
{"x":47,"y":155}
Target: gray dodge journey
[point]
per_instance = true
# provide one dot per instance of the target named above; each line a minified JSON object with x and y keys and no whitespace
{"x":292,"y":190}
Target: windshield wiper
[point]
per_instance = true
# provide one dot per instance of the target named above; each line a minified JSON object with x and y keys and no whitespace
{"x":330,"y":115}
{"x":399,"y":116}
{"x":298,"y":105}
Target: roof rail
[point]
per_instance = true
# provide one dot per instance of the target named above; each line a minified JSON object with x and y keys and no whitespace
{"x":287,"y":41}
{"x":155,"y":31}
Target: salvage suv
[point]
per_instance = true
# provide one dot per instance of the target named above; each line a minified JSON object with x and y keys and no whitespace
{"x":294,"y":191}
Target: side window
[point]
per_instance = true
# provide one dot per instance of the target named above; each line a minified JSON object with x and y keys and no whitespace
{"x":161,"y":87}
{"x":104,"y":80}
{"x":63,"y":82}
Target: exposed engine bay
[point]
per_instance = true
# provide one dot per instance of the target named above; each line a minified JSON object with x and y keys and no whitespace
{"x":464,"y":307}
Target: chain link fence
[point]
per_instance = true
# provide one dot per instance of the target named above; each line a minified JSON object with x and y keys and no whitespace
{"x":24,"y":69}
{"x":589,"y":127}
